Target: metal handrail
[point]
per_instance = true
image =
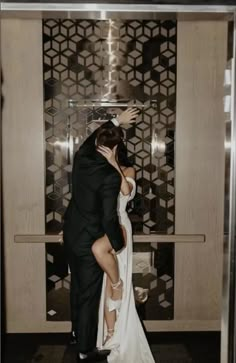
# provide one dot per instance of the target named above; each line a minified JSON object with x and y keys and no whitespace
{"x":138,"y":238}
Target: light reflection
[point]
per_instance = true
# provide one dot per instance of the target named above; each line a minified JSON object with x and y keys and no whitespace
{"x":67,"y":144}
{"x":227,"y":145}
{"x":227,"y":103}
{"x":103,"y":15}
{"x":62,"y":144}
{"x":158,"y":145}
{"x":228,"y":77}
{"x":111,"y":62}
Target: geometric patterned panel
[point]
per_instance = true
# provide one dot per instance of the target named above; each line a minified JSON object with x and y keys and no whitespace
{"x":111,"y":61}
{"x":99,"y":67}
{"x":153,"y":266}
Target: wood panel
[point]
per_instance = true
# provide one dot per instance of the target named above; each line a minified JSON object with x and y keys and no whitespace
{"x":200,"y":168}
{"x":23,"y":173}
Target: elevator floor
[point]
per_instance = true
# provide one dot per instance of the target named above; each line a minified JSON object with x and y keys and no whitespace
{"x":166,"y":347}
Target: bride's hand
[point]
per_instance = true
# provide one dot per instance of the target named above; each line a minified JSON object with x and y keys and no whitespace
{"x":128,"y":116}
{"x":109,"y":154}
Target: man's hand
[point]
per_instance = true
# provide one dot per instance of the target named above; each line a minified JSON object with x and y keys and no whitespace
{"x":128,"y":116}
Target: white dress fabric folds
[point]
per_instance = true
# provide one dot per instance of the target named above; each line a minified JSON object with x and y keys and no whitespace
{"x":129,"y":343}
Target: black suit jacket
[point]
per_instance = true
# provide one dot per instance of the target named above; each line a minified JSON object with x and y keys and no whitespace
{"x":92,"y":211}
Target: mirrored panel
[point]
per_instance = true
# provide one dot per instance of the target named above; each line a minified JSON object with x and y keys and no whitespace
{"x":93,"y":70}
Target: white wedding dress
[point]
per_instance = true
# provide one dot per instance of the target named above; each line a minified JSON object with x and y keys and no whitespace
{"x":129,"y":343}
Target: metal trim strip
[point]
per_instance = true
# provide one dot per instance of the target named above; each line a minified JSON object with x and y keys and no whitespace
{"x":10,"y":6}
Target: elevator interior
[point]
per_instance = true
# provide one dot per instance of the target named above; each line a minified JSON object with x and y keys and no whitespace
{"x":157,"y":62}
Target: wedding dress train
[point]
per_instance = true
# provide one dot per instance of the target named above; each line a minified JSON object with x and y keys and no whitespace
{"x":129,"y":343}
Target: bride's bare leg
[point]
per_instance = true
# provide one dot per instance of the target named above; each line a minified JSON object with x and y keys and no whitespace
{"x":110,"y":316}
{"x":102,"y":251}
{"x":107,"y":260}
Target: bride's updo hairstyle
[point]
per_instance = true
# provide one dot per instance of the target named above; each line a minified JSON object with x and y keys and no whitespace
{"x":109,"y":137}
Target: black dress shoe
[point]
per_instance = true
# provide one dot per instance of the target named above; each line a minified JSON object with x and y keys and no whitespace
{"x":93,"y":357}
{"x":73,"y":338}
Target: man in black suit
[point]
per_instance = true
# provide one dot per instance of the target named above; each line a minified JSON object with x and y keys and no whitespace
{"x":92,"y":212}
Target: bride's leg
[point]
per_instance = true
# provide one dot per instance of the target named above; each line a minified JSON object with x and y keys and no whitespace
{"x":110,"y":316}
{"x":102,"y":251}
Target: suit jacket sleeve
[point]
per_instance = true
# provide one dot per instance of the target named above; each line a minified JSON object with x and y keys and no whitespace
{"x":109,"y":194}
{"x":88,"y":145}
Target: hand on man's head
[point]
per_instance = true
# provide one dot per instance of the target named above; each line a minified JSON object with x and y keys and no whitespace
{"x":128,"y":116}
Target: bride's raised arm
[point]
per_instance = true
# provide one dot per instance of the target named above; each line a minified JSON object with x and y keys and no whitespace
{"x":110,"y":155}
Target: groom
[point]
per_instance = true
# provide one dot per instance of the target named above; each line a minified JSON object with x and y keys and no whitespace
{"x":92,"y":212}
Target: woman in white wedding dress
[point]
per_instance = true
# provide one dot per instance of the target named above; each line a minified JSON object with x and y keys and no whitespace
{"x":126,"y":339}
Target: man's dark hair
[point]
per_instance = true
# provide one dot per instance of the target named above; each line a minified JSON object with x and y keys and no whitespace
{"x":109,"y":137}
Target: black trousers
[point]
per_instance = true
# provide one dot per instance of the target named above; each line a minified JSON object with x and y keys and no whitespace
{"x":85,"y":293}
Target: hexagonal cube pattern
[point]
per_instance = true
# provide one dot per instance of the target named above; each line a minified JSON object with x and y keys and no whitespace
{"x":130,"y":61}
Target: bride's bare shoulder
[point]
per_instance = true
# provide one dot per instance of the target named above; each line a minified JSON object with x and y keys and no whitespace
{"x":130,"y":172}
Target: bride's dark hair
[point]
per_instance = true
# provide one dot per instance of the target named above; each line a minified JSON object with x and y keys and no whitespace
{"x":109,"y":137}
{"x":114,"y":136}
{"x":122,"y":155}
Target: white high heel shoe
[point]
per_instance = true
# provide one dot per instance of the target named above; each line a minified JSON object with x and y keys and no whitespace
{"x":110,"y":333}
{"x":115,"y":304}
{"x":110,"y":343}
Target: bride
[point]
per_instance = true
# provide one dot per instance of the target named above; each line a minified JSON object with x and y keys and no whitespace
{"x":119,"y":328}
